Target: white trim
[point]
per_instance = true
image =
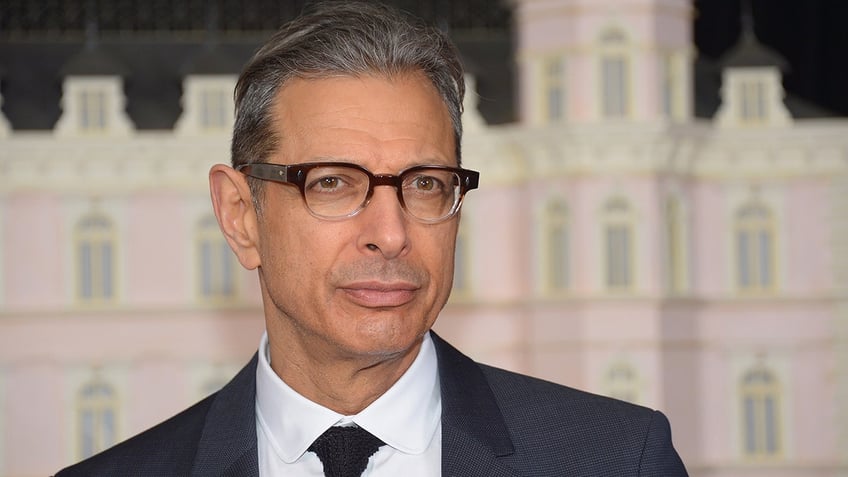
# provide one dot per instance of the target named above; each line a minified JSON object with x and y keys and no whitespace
{"x":112,"y":111}
{"x":196,"y":91}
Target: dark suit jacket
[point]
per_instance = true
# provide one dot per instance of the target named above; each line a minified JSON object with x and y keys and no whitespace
{"x":494,"y":423}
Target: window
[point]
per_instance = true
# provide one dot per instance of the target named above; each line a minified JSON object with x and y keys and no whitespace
{"x":92,"y":110}
{"x":97,"y":413}
{"x":556,"y":236}
{"x":667,"y":86}
{"x":615,"y":75}
{"x":618,"y":238}
{"x":622,"y":382}
{"x":761,"y":426}
{"x":214,"y":113}
{"x":216,"y":260}
{"x":554,"y":89}
{"x":754,"y":248}
{"x":615,"y":99}
{"x":95,"y":249}
{"x":752,"y":100}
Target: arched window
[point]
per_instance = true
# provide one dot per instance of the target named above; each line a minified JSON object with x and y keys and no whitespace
{"x":216,"y":262}
{"x":622,"y":382}
{"x":95,"y":257}
{"x":754,"y":248}
{"x":557,"y":263}
{"x":97,"y":409}
{"x":618,"y":245}
{"x":761,"y":426}
{"x":615,"y":74}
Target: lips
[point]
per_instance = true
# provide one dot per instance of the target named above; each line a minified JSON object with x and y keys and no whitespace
{"x":380,"y":295}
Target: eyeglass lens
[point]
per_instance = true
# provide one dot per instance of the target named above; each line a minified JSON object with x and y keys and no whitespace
{"x":338,"y":191}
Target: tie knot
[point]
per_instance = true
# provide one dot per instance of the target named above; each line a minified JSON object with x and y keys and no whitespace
{"x":344,"y":451}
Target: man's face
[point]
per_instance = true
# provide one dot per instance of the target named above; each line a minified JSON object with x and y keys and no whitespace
{"x":374,"y":283}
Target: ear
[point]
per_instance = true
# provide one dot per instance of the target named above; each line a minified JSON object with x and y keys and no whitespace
{"x":236,"y":215}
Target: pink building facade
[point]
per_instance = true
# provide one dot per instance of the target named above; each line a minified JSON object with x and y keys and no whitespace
{"x":617,"y":244}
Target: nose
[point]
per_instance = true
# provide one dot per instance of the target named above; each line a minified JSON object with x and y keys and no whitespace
{"x":384,"y":225}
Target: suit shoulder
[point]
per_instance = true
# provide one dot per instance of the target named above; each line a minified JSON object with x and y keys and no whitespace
{"x":167,"y":448}
{"x":510,"y":382}
{"x":594,"y":432}
{"x":528,"y":399}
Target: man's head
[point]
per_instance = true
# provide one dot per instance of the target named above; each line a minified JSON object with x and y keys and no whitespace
{"x":340,"y":39}
{"x":350,"y":279}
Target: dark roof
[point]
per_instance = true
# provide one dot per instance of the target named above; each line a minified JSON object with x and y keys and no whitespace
{"x":154,"y":70}
{"x":229,"y":18}
{"x":93,"y":60}
{"x":153,"y":45}
{"x":708,"y":86}
{"x":800,"y":108}
{"x":213,"y":60}
{"x":750,"y":52}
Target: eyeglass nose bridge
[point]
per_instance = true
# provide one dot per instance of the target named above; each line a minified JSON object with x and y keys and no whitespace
{"x":375,"y":180}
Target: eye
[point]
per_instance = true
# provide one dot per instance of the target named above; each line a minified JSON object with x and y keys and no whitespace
{"x":328,"y":182}
{"x":425,"y":183}
{"x":332,"y":182}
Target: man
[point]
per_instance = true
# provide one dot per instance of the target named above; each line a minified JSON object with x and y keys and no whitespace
{"x":345,"y":196}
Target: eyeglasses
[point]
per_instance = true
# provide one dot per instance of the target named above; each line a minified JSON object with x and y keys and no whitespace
{"x":337,"y":190}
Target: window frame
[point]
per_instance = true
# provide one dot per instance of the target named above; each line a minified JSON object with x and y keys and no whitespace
{"x":96,"y":254}
{"x":102,"y":433}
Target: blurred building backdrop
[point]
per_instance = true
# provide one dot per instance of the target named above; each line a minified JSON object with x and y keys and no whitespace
{"x":653,"y":224}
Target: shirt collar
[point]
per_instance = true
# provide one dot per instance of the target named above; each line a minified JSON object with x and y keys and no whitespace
{"x":405,"y":417}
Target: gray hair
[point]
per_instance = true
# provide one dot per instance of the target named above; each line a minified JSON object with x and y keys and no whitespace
{"x":340,"y":38}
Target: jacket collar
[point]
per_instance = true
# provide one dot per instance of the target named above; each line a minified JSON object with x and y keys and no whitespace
{"x":474,"y":434}
{"x":228,"y":443}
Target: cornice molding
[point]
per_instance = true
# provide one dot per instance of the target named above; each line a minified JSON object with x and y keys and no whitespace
{"x":515,"y":154}
{"x":506,"y":155}
{"x":109,"y":165}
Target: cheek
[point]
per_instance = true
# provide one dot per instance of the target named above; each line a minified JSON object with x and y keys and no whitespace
{"x":440,"y":256}
{"x":295,"y":253}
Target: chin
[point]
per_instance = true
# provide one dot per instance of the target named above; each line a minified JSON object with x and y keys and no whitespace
{"x":386,"y":341}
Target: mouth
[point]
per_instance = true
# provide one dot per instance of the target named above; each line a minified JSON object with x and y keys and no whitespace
{"x":379,"y":294}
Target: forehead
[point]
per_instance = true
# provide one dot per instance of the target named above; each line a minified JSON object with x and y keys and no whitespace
{"x":363,"y":119}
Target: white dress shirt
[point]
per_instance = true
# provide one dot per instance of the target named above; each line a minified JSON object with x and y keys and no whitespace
{"x":407,"y":418}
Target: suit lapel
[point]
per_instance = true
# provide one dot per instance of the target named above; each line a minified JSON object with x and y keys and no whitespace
{"x":227,"y":446}
{"x":474,"y":434}
{"x":466,"y":456}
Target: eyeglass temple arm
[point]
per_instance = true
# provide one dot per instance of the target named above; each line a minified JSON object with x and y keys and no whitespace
{"x":268,"y":172}
{"x":471,"y":179}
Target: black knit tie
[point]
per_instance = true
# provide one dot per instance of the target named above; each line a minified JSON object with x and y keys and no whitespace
{"x":345,"y":451}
